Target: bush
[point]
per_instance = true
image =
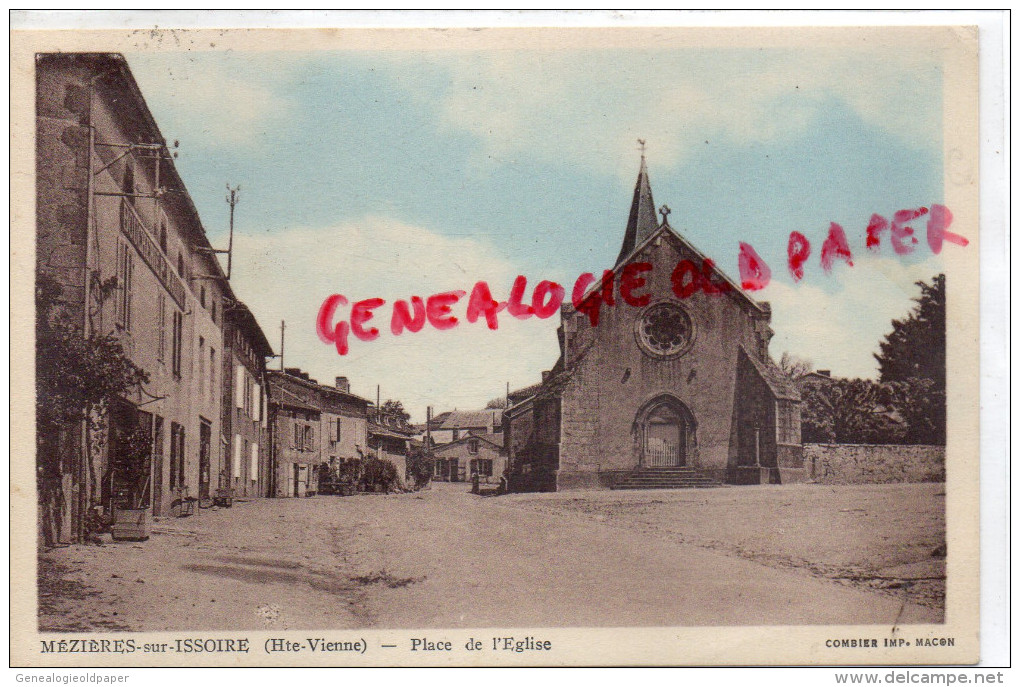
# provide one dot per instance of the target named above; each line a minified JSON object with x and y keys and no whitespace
{"x":380,"y":473}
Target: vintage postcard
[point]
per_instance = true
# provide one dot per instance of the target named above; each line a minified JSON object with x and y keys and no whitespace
{"x":496,"y":346}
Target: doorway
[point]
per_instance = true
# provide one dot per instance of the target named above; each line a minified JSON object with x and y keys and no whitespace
{"x":667,"y":433}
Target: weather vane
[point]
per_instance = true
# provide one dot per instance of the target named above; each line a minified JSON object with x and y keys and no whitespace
{"x":641,"y":141}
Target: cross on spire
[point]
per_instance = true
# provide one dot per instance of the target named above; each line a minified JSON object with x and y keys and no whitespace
{"x":664,"y":211}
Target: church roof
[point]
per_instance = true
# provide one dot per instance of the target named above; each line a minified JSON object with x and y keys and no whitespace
{"x":780,"y":385}
{"x":642,"y":221}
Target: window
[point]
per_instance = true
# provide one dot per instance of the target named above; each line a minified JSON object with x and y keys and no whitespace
{"x":238,"y":457}
{"x":129,"y":183}
{"x":339,"y":425}
{"x":177,"y":343}
{"x":201,"y":296}
{"x":176,"y":455}
{"x":472,"y":446}
{"x":201,"y":365}
{"x":212,"y":313}
{"x":161,"y":329}
{"x":787,"y":431}
{"x":180,"y":265}
{"x":162,"y":234}
{"x":481,"y":467}
{"x":239,"y":381}
{"x":125,"y":272}
{"x":298,"y":437}
{"x":309,"y":437}
{"x":212,"y":372}
{"x":665,"y":330}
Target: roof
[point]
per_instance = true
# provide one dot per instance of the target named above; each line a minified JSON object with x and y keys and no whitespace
{"x":778,"y":383}
{"x":642,"y":221}
{"x":246,"y":322}
{"x":380,"y":431}
{"x":280,"y":395}
{"x":518,"y":395}
{"x":494,"y":440}
{"x":462,"y":419}
{"x":313,"y":386}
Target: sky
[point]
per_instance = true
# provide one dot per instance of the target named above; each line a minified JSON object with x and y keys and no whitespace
{"x":398,"y":173}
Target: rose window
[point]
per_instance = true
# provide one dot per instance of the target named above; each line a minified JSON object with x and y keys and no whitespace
{"x":665,"y":329}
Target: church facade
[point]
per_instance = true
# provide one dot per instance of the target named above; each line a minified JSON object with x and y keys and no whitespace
{"x":658,"y":383}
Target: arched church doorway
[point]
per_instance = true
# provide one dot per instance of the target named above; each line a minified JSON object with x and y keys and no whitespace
{"x":667,"y":433}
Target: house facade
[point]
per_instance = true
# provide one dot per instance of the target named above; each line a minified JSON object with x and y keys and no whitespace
{"x":246,"y":464}
{"x":121,"y":241}
{"x":312,"y":426}
{"x":460,"y":423}
{"x":666,"y":383}
{"x":461,"y":460}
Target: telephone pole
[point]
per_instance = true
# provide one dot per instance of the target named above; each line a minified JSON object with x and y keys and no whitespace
{"x":232,"y":201}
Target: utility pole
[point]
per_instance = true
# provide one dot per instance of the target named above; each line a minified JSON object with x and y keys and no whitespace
{"x":378,"y":419}
{"x":232,"y":201}
{"x":283,"y":328}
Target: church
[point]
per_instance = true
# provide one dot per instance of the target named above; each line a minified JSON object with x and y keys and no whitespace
{"x":678,"y":392}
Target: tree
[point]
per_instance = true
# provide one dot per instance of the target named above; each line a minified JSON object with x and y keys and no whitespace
{"x":794,"y":366}
{"x":912,"y":363}
{"x":916,"y":346}
{"x":846,"y":411}
{"x":77,"y":378}
{"x":419,"y":466}
{"x":395,"y":409}
{"x":499,"y":402}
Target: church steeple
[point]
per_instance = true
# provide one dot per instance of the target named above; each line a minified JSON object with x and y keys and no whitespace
{"x":642,"y":221}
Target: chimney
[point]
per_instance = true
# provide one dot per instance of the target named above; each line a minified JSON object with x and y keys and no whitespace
{"x":545,"y":375}
{"x":343,"y":384}
{"x":304,"y":376}
{"x":825,"y":373}
{"x":293,"y":371}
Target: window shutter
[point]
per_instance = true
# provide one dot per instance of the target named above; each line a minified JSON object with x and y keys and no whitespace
{"x":299,"y":442}
{"x":257,"y":406}
{"x":239,"y":387}
{"x":254,"y":471}
{"x":237,"y":455}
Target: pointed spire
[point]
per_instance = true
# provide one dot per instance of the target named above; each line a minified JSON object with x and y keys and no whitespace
{"x":642,"y":221}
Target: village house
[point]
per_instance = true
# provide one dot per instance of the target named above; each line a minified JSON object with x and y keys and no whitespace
{"x":460,"y":423}
{"x":312,"y":426}
{"x":672,"y":392}
{"x":390,"y":438}
{"x":246,"y":470}
{"x":112,"y":210}
{"x":470,"y":455}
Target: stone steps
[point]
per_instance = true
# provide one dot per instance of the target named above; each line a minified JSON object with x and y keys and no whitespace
{"x":667,"y":478}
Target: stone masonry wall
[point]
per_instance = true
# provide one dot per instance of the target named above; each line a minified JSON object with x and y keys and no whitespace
{"x":874,"y":464}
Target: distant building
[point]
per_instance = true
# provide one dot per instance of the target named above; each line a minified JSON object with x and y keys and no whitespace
{"x":390,"y":438}
{"x":246,"y":464}
{"x":470,"y":455}
{"x":312,"y":426}
{"x":670,"y":392}
{"x":460,"y":423}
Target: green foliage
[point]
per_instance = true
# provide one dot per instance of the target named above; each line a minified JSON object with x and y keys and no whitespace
{"x":395,"y":409}
{"x":499,"y":402}
{"x":912,"y":364}
{"x":379,"y":472}
{"x":916,"y":346}
{"x":419,"y":466}
{"x":847,"y":411}
{"x":793,"y":366}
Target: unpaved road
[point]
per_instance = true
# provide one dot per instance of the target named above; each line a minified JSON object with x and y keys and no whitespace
{"x":798,"y":554}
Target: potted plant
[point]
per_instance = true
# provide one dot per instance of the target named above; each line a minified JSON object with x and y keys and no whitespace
{"x":130,"y":475}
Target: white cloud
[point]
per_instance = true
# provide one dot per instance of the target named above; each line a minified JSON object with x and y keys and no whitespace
{"x":378,"y":257}
{"x":222,"y":102}
{"x":590,"y":109}
{"x":838,"y":325}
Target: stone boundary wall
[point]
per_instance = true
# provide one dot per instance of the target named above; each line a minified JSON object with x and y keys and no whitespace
{"x":873,"y":463}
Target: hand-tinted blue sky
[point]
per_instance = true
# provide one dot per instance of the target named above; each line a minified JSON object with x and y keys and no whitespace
{"x":392,"y":173}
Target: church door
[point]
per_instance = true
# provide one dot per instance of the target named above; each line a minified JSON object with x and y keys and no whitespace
{"x":665,"y":437}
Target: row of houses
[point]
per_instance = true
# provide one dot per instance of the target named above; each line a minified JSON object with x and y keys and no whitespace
{"x":124,"y":254}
